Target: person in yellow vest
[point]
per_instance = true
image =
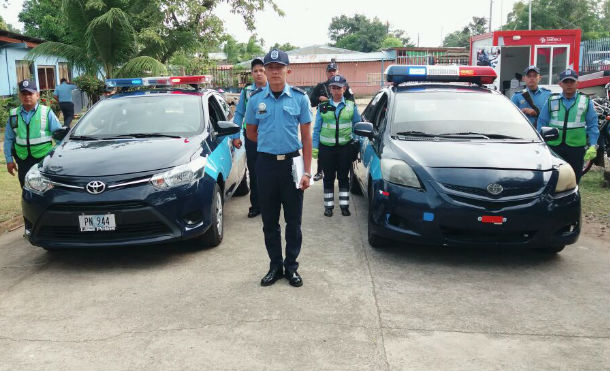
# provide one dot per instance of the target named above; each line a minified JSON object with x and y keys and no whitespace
{"x":28,"y":134}
{"x":332,"y":136}
{"x":573,"y":114}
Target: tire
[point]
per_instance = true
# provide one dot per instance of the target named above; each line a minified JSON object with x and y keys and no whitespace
{"x":213,"y":236}
{"x":354,"y":187}
{"x":243,"y":188}
{"x":551,"y":249}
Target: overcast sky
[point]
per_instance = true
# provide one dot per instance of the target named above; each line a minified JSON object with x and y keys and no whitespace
{"x":306,"y":22}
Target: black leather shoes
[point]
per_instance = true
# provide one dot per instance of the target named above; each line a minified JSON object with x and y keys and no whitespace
{"x":253,"y":213}
{"x":319,"y":175}
{"x":345,"y":211}
{"x":294,"y":279}
{"x":328,"y":212}
{"x":273,"y":275}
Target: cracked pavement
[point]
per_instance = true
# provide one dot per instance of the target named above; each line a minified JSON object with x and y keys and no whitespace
{"x":185,"y":308}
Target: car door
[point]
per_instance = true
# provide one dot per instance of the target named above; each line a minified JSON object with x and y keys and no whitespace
{"x":225,"y":154}
{"x":368,"y":161}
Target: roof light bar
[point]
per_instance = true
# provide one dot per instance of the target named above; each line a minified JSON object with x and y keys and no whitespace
{"x":159,"y":81}
{"x":398,"y":74}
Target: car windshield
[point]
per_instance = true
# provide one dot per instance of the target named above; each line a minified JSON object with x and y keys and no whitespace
{"x":459,"y":115}
{"x":142,"y":116}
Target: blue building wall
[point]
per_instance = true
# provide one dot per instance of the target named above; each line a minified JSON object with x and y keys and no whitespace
{"x":11,"y":53}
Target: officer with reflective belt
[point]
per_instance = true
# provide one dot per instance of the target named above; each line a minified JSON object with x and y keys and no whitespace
{"x":531,"y":99}
{"x":275,"y":115}
{"x":573,"y":114}
{"x":321,"y":93}
{"x":29,"y":129}
{"x":260,"y":81}
{"x":332,"y":135}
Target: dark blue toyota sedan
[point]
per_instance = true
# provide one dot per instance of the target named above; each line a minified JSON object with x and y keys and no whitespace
{"x":445,"y":161}
{"x":140,"y":168}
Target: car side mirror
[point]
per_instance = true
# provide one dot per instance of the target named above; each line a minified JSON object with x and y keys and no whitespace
{"x":364,"y":129}
{"x":549,"y":133}
{"x":227,"y":128}
{"x":60,"y":133}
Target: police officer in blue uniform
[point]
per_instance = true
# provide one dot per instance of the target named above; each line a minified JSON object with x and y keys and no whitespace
{"x":531,"y":99}
{"x":257,"y":69}
{"x":275,"y":115}
{"x":573,"y":115}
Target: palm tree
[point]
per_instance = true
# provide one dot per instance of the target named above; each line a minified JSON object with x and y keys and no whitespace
{"x":105,"y":40}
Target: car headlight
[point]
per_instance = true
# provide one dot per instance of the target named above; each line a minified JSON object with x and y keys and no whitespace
{"x":397,"y":171}
{"x":566,"y":180}
{"x":36,"y":182}
{"x":180,"y":175}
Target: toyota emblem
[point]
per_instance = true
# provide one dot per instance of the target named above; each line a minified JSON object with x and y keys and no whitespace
{"x":95,"y":187}
{"x":495,"y":189}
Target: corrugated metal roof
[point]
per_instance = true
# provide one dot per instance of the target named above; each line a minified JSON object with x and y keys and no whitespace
{"x":320,"y":49}
{"x":351,"y":57}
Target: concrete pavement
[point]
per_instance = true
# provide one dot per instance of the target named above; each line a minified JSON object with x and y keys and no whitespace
{"x":180,"y":307}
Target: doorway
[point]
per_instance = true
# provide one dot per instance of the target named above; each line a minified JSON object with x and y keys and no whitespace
{"x":514,"y":59}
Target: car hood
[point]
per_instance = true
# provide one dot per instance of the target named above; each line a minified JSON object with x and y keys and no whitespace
{"x":477,"y":154}
{"x":117,"y":157}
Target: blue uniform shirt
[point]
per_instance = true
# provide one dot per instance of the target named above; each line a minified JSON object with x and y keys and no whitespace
{"x":240,"y":110}
{"x":9,"y":134}
{"x":64,"y":92}
{"x":539,"y":97}
{"x":318,"y":126}
{"x":591,"y":118}
{"x":278,"y":119}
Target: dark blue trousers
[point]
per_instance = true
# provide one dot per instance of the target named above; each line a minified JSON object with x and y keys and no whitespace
{"x":251,"y":155}
{"x":276,"y":190}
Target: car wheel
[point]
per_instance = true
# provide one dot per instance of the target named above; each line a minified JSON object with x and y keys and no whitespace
{"x":243,"y":187}
{"x":354,"y":187}
{"x":551,"y":249}
{"x":213,"y":236}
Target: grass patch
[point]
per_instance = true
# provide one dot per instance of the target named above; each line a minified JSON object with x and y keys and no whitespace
{"x":595,"y":198}
{"x":10,"y":199}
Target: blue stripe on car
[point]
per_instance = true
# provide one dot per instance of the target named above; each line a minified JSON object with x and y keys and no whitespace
{"x":219,"y":161}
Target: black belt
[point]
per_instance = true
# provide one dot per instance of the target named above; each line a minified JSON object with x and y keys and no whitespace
{"x":285,"y":156}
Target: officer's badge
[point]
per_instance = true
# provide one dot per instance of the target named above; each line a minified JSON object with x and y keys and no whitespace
{"x":555,"y":105}
{"x":337,"y":78}
{"x":26,"y":83}
{"x":262,"y":107}
{"x":274,"y":54}
{"x":522,"y":101}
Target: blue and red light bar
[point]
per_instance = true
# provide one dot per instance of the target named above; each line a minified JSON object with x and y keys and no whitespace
{"x":159,"y":81}
{"x":398,"y":74}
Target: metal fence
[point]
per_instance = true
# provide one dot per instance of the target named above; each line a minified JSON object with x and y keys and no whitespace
{"x":595,"y":55}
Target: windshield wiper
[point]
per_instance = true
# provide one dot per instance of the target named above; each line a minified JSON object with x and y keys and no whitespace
{"x":468,"y":134}
{"x":84,"y":137}
{"x":144,"y":135}
{"x":416,"y":134}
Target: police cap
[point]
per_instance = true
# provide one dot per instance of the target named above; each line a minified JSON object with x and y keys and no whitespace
{"x":337,"y":80}
{"x":568,"y":74}
{"x":28,"y":85}
{"x":276,"y":56}
{"x":531,"y":68}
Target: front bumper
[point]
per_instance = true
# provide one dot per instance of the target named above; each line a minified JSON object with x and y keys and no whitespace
{"x":143,"y":215}
{"x":434,"y":218}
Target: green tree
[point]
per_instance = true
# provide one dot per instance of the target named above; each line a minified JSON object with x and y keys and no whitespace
{"x":237,"y":52}
{"x":44,"y":19}
{"x":284,"y":47}
{"x":591,"y":16}
{"x":363,"y":34}
{"x":461,"y":38}
{"x":391,"y":42}
{"x":6,"y":26}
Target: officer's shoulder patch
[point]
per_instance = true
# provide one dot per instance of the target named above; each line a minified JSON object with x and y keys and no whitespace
{"x":258,"y":90}
{"x":297,"y":89}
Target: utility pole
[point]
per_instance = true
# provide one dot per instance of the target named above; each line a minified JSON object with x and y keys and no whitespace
{"x":530,"y":16}
{"x":491,"y":2}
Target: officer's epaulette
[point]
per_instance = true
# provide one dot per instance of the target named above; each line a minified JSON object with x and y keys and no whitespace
{"x":545,"y":89}
{"x":299,"y":90}
{"x":555,"y":95}
{"x":258,"y":90}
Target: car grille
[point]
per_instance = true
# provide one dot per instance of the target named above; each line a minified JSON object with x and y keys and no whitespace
{"x":492,"y":204}
{"x":97,"y":206}
{"x":482,"y":237}
{"x":507,"y":192}
{"x":73,"y":233}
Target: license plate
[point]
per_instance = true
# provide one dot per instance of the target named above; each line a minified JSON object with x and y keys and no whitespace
{"x":94,"y":223}
{"x":492,"y":219}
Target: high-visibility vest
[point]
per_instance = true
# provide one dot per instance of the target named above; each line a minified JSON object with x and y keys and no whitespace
{"x":34,"y":139}
{"x":571,"y":123}
{"x":336,"y":130}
